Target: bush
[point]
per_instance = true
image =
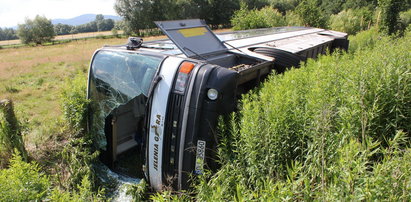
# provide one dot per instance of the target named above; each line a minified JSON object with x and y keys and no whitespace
{"x":365,"y":39}
{"x":253,"y":19}
{"x":351,"y":21}
{"x":389,"y":15}
{"x":311,"y":14}
{"x":293,"y":19}
{"x":405,"y":17}
{"x":74,"y":102}
{"x":338,"y":128}
{"x":38,"y":30}
{"x":23,"y":181}
{"x":405,"y":20}
{"x":272,"y":17}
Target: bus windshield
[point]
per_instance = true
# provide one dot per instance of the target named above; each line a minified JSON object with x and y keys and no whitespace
{"x":119,"y":81}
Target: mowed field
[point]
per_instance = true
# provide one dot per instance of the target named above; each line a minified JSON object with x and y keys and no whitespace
{"x":33,"y":77}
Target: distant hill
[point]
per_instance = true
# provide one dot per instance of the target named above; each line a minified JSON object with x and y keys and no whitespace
{"x":82,"y":19}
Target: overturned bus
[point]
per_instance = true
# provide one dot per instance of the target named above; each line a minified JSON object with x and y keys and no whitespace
{"x":155,"y":104}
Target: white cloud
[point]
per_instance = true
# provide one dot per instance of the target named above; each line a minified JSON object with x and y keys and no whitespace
{"x":13,"y":12}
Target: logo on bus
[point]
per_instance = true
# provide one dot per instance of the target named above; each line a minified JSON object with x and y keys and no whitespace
{"x":156,"y":127}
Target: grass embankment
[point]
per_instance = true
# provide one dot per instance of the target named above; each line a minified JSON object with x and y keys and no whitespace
{"x":336,"y":129}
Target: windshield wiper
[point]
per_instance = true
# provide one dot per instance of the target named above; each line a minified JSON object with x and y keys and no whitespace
{"x":156,"y":80}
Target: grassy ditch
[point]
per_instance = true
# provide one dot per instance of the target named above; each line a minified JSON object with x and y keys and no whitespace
{"x":338,"y":128}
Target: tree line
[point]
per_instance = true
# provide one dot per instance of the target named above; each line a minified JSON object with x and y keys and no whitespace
{"x":8,"y":34}
{"x":139,"y":15}
{"x":349,"y":16}
{"x":40,"y":29}
{"x":99,"y":24}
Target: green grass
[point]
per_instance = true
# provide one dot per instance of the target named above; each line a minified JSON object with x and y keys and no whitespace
{"x":33,"y":78}
{"x":336,"y":129}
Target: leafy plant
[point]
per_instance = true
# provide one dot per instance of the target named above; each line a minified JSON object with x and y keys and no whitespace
{"x":253,"y":19}
{"x":84,"y":193}
{"x":389,"y":15}
{"x":74,"y":102}
{"x":293,"y":19}
{"x":38,"y":30}
{"x":311,"y":13}
{"x":23,"y":181}
{"x":351,"y":21}
{"x":138,"y":191}
{"x":363,"y":40}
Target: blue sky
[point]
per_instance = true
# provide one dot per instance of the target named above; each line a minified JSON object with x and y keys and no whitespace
{"x":13,"y":12}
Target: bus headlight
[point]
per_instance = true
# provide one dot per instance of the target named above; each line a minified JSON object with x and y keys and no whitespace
{"x":212,"y":94}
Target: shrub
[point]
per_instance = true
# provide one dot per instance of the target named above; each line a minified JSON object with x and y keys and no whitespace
{"x":363,"y":40}
{"x":253,"y":19}
{"x":405,"y":20}
{"x":311,"y":14}
{"x":389,"y":15}
{"x":351,"y":21}
{"x":138,"y":191}
{"x":23,"y":181}
{"x":38,"y":31}
{"x":293,"y":19}
{"x":74,"y":102}
{"x":405,"y":17}
{"x":272,"y":17}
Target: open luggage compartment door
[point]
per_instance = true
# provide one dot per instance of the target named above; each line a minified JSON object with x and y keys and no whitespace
{"x":193,"y":37}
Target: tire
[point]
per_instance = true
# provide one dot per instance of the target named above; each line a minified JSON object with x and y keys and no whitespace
{"x":283,"y":59}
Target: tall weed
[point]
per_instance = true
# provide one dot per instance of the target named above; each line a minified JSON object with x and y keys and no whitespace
{"x":338,"y":128}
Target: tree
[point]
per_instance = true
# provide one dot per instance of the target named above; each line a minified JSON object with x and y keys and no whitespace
{"x":390,"y":15}
{"x":106,"y":25}
{"x":74,"y":30}
{"x":311,"y":13}
{"x":332,"y":6}
{"x":61,"y":29}
{"x":284,"y":5}
{"x":254,"y":4}
{"x":100,"y":22}
{"x":356,"y":4}
{"x":219,"y":12}
{"x":140,"y":14}
{"x":350,"y":21}
{"x":7,"y":34}
{"x":36,"y":31}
